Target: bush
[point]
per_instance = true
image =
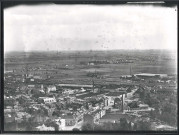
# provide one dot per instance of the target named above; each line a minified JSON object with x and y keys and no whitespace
{"x":75,"y":129}
{"x":87,"y":127}
{"x":143,"y":125}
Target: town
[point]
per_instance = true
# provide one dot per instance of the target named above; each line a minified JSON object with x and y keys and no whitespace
{"x":89,"y":91}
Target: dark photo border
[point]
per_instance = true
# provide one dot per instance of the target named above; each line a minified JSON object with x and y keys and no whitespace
{"x":10,"y":3}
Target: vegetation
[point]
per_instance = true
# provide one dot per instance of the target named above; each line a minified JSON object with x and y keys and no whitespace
{"x":165,"y":105}
{"x":75,"y":129}
{"x":122,"y":125}
{"x":142,"y":125}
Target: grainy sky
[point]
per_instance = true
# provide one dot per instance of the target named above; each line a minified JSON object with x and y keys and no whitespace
{"x":89,"y":27}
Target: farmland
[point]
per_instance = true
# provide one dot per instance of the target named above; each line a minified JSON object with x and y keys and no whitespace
{"x":74,"y":67}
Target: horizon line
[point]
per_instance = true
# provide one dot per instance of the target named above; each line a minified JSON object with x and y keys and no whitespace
{"x":86,"y":50}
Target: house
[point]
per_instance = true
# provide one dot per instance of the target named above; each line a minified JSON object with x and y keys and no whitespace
{"x":67,"y":120}
{"x":47,"y":99}
{"x":31,"y":86}
{"x":143,"y":106}
{"x":49,"y":110}
{"x":165,"y":90}
{"x":32,"y":80}
{"x":114,"y":118}
{"x":94,"y":117}
{"x":45,"y":128}
{"x":22,"y":116}
{"x":96,"y":90}
{"x":51,"y":88}
{"x":39,"y":118}
{"x":68,"y":91}
{"x":18,"y":78}
{"x":9,"y":101}
{"x":74,"y":86}
{"x":9,"y":117}
{"x":37,"y":77}
{"x":90,"y":63}
{"x":87,"y":118}
{"x":111,"y":96}
{"x":24,"y":99}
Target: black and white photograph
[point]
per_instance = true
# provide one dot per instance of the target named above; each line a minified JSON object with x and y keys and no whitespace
{"x":90,"y":67}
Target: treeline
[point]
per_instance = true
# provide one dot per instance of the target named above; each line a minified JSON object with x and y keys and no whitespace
{"x":123,"y":125}
{"x":165,"y":105}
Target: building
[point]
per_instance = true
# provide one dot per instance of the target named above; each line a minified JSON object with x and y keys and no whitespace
{"x":49,"y":110}
{"x":47,"y":99}
{"x":9,"y":117}
{"x":143,"y":106}
{"x":24,"y":99}
{"x":94,"y":117}
{"x":22,"y":116}
{"x":37,"y":77}
{"x":74,"y":86}
{"x":96,"y":90}
{"x":51,"y":88}
{"x":111,"y":96}
{"x":166,"y":90}
{"x":114,"y":118}
{"x":149,"y":75}
{"x":67,"y":120}
{"x":9,"y":101}
{"x":45,"y":128}
{"x":88,"y":118}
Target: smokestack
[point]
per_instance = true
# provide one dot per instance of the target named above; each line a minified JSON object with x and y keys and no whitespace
{"x":130,"y":70}
{"x":122,"y":103}
{"x":93,"y":85}
{"x":42,"y":87}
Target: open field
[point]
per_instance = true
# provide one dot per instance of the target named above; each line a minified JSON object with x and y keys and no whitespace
{"x":73,"y":67}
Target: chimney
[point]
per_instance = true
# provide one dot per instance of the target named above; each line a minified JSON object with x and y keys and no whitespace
{"x":93,"y":85}
{"x":122,"y":103}
{"x":42,"y":87}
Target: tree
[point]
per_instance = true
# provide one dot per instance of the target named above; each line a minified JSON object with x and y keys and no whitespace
{"x":152,"y":114}
{"x":75,"y":129}
{"x":135,"y":126}
{"x":143,"y":125}
{"x":108,"y":126}
{"x":51,"y":123}
{"x":130,"y":126}
{"x":87,"y":127}
{"x":169,"y":118}
{"x":86,"y":106}
{"x":123,"y":124}
{"x":98,"y":127}
{"x":133,"y":104}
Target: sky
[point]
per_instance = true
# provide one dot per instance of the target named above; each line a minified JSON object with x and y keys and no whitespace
{"x":89,"y":27}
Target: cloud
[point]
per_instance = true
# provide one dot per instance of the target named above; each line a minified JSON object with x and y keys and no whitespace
{"x":86,"y":27}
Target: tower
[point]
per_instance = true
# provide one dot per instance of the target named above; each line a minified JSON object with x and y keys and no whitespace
{"x":122,"y":103}
{"x":130,"y":69}
{"x":93,"y":85}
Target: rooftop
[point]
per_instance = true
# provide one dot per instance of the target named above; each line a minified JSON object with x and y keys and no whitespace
{"x":116,"y":93}
{"x":148,"y":74}
{"x":67,"y":117}
{"x":75,"y":85}
{"x":116,"y":116}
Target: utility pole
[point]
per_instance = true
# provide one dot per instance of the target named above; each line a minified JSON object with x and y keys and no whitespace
{"x":26,"y":70}
{"x":93,"y":84}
